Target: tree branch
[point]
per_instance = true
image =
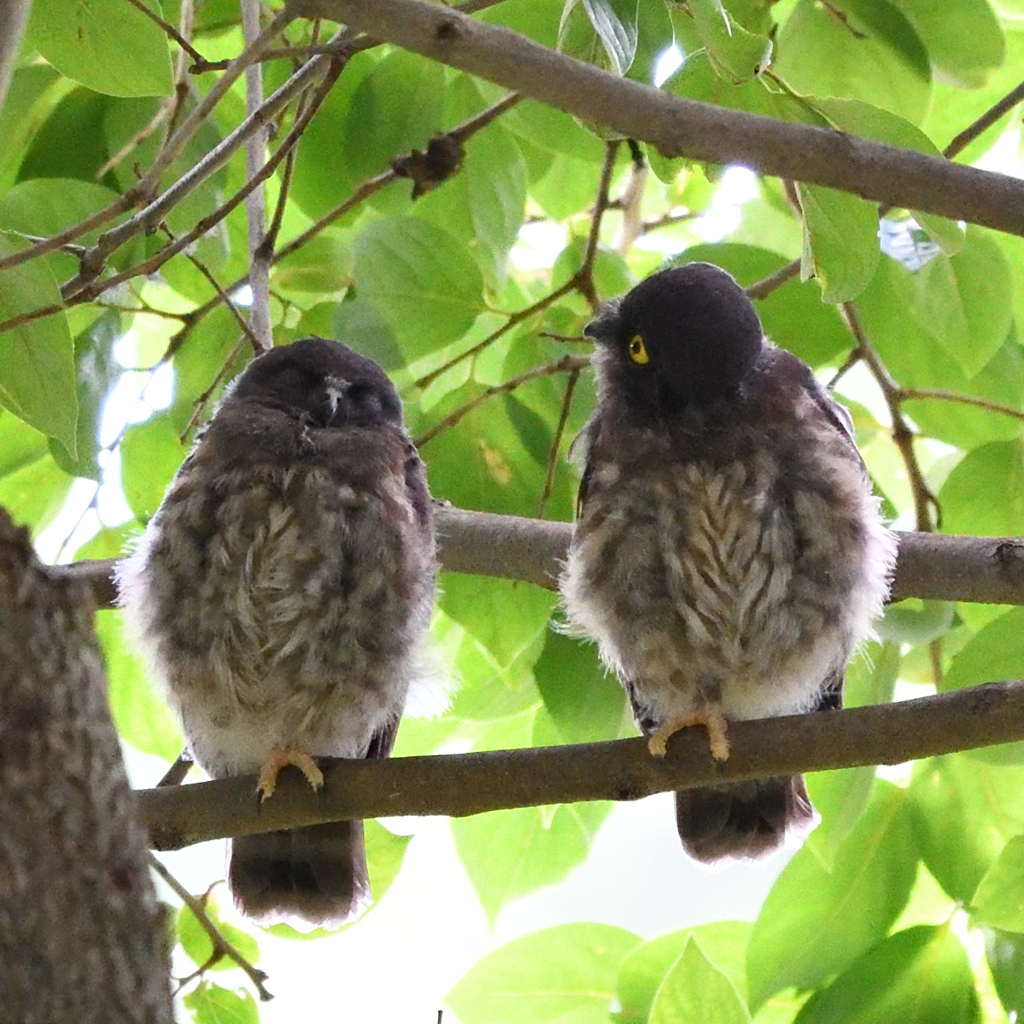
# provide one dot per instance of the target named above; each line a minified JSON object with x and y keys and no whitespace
{"x":933,"y":566}
{"x":457,"y":785}
{"x":680,"y":127}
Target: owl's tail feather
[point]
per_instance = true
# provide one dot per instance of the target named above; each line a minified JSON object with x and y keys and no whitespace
{"x":317,"y":874}
{"x":744,"y":819}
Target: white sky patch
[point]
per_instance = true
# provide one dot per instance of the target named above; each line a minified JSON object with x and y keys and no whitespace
{"x":538,"y":245}
{"x":738,"y":185}
{"x":670,"y":60}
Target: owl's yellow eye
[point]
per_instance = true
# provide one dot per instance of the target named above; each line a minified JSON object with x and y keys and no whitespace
{"x":637,"y":351}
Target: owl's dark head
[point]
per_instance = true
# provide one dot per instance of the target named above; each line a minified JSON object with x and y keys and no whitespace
{"x":684,"y":336}
{"x":322,"y":381}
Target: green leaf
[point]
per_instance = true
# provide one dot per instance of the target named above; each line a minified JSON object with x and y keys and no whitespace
{"x":322,"y":177}
{"x":20,"y":444}
{"x":141,"y":715}
{"x":503,"y":616}
{"x":871,"y":52}
{"x":584,"y":701}
{"x":420,"y":280}
{"x":871,"y":122}
{"x":97,"y":372}
{"x":78,"y":115}
{"x":965,"y":810}
{"x":912,"y":354}
{"x":840,"y":797}
{"x":999,"y":901}
{"x":993,"y":654}
{"x":32,"y":92}
{"x":816,"y":922}
{"x":695,"y":989}
{"x":1004,"y":952}
{"x":840,"y":241}
{"x":564,"y":975}
{"x":723,"y":943}
{"x":495,"y":174}
{"x":601,"y":32}
{"x":33,"y":490}
{"x":151,"y":453}
{"x":965,"y":301}
{"x":736,"y":54}
{"x":921,"y":974}
{"x":37,"y":359}
{"x":984,"y":494}
{"x":511,"y":853}
{"x":211,"y":1004}
{"x":106,"y":45}
{"x":198,"y":946}
{"x":357,"y":323}
{"x":916,"y":622}
{"x":394,"y":109}
{"x":965,"y":38}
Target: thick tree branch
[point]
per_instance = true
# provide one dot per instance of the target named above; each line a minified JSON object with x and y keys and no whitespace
{"x":462,"y":784}
{"x":933,"y":566}
{"x":680,"y":127}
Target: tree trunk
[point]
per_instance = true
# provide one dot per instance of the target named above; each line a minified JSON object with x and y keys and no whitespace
{"x":82,"y":937}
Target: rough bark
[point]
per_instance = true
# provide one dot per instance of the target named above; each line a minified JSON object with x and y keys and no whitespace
{"x":82,"y":937}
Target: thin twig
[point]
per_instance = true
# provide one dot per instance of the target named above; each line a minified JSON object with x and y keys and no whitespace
{"x":513,"y":320}
{"x":763,"y":288}
{"x":89,"y":291}
{"x":565,"y":364}
{"x":989,"y":118}
{"x":221,"y":946}
{"x":172,"y":32}
{"x":556,"y":442}
{"x":584,"y":279}
{"x":906,"y":394}
{"x":902,"y":435}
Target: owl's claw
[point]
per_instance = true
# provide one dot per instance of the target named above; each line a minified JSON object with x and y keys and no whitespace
{"x":710,"y":717}
{"x":280,"y":758}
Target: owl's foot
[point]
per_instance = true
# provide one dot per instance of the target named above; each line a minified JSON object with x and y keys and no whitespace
{"x":709,"y":716}
{"x":279,"y":759}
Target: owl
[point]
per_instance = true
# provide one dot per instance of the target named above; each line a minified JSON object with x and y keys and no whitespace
{"x":728,"y":555}
{"x":282,"y":595}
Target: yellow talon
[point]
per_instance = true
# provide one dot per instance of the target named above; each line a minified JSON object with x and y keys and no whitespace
{"x":279,"y":759}
{"x":713,"y":721}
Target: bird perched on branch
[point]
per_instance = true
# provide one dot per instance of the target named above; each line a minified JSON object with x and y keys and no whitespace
{"x":728,"y":555}
{"x":282,"y":594}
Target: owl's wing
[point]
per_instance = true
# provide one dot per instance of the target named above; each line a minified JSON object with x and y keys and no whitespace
{"x":579,"y":452}
{"x":383,"y":740}
{"x":830,"y":697}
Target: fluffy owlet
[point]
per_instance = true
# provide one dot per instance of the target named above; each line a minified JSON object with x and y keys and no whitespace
{"x":282,"y":593}
{"x":728,"y":555}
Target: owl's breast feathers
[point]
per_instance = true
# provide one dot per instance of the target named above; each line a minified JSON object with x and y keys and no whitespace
{"x":291,"y":571}
{"x":732,"y":550}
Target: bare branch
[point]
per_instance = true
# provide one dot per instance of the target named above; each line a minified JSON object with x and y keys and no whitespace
{"x":462,"y":784}
{"x":679,"y":127}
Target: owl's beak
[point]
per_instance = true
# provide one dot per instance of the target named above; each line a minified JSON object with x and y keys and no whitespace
{"x":335,"y":388}
{"x":605,"y":326}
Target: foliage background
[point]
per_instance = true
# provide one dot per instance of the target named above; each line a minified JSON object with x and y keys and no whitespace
{"x":907,"y":901}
